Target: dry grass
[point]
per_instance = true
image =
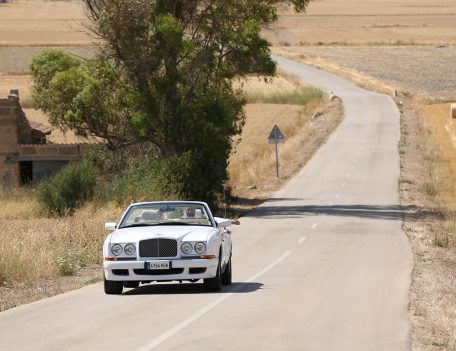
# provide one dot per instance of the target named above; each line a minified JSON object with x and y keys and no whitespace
{"x":18,"y":204}
{"x":254,"y":160}
{"x":37,"y":247}
{"x":430,"y":223}
{"x":305,"y":127}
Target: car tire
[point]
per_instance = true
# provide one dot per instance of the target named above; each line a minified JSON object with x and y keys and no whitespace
{"x":112,"y":287}
{"x":131,"y":285}
{"x":214,"y":284}
{"x":227,"y":274}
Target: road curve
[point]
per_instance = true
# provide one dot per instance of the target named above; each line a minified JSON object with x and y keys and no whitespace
{"x":322,"y":265}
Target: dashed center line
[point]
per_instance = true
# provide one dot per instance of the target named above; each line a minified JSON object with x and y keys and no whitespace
{"x":208,"y":307}
{"x":301,"y":240}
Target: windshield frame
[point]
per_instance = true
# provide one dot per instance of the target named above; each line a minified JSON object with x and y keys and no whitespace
{"x":170,"y":222}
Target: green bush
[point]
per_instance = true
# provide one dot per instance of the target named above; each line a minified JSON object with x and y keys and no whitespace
{"x":68,"y":189}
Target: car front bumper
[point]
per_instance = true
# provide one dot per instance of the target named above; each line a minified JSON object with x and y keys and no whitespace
{"x":181,"y":269}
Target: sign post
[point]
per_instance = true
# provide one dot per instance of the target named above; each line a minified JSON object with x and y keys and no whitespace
{"x":276,"y":137}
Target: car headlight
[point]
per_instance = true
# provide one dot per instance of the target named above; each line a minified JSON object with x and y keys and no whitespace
{"x":116,"y":249}
{"x":200,"y":247}
{"x":130,"y":249}
{"x":186,"y":248}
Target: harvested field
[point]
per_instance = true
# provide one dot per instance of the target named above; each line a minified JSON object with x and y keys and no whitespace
{"x":43,"y":23}
{"x":16,"y":60}
{"x":373,"y":22}
{"x":21,"y":82}
{"x":429,"y":71}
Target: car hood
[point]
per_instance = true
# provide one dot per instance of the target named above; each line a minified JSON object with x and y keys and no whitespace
{"x":188,"y":233}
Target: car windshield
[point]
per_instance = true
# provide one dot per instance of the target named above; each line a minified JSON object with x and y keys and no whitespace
{"x":166,"y":214}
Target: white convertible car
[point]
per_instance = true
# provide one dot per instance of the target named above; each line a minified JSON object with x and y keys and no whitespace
{"x":165,"y":241}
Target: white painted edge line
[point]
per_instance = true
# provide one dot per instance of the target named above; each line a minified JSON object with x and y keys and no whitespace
{"x":315,"y":225}
{"x":198,"y":314}
{"x":301,"y":240}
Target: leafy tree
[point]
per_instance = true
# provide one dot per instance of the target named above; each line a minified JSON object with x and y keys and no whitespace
{"x":164,"y":75}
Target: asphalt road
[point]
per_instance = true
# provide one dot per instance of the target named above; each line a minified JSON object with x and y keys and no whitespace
{"x":323,"y":265}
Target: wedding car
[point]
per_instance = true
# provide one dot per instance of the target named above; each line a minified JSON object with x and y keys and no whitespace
{"x":167,"y":241}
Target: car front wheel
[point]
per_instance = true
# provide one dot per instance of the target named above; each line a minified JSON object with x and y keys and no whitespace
{"x":214,"y":284}
{"x":227,"y":274}
{"x":112,"y":287}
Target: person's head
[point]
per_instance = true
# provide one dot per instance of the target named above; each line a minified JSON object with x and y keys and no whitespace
{"x":190,"y":212}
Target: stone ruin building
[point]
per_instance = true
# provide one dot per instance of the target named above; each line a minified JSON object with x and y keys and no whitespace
{"x":25,"y":155}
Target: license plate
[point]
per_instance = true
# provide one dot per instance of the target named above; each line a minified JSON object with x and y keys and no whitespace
{"x":158,"y":265}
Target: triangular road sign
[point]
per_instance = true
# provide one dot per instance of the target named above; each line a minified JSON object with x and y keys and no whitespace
{"x":276,"y":136}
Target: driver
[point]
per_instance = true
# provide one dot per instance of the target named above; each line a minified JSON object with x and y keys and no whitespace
{"x":189,"y":212}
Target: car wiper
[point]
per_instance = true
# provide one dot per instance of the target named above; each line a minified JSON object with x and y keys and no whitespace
{"x":172,"y":223}
{"x":139,"y":225}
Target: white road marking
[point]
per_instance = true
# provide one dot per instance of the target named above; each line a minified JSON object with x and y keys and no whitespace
{"x":198,"y":314}
{"x":353,"y":167}
{"x":337,"y":196}
{"x":301,"y":240}
{"x":315,"y":225}
{"x":344,"y":185}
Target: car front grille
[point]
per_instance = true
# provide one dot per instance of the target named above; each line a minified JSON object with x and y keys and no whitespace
{"x":158,"y":248}
{"x":159,"y":271}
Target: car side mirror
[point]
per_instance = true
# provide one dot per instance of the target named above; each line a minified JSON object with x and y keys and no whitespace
{"x":111,"y":226}
{"x":222,"y":222}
